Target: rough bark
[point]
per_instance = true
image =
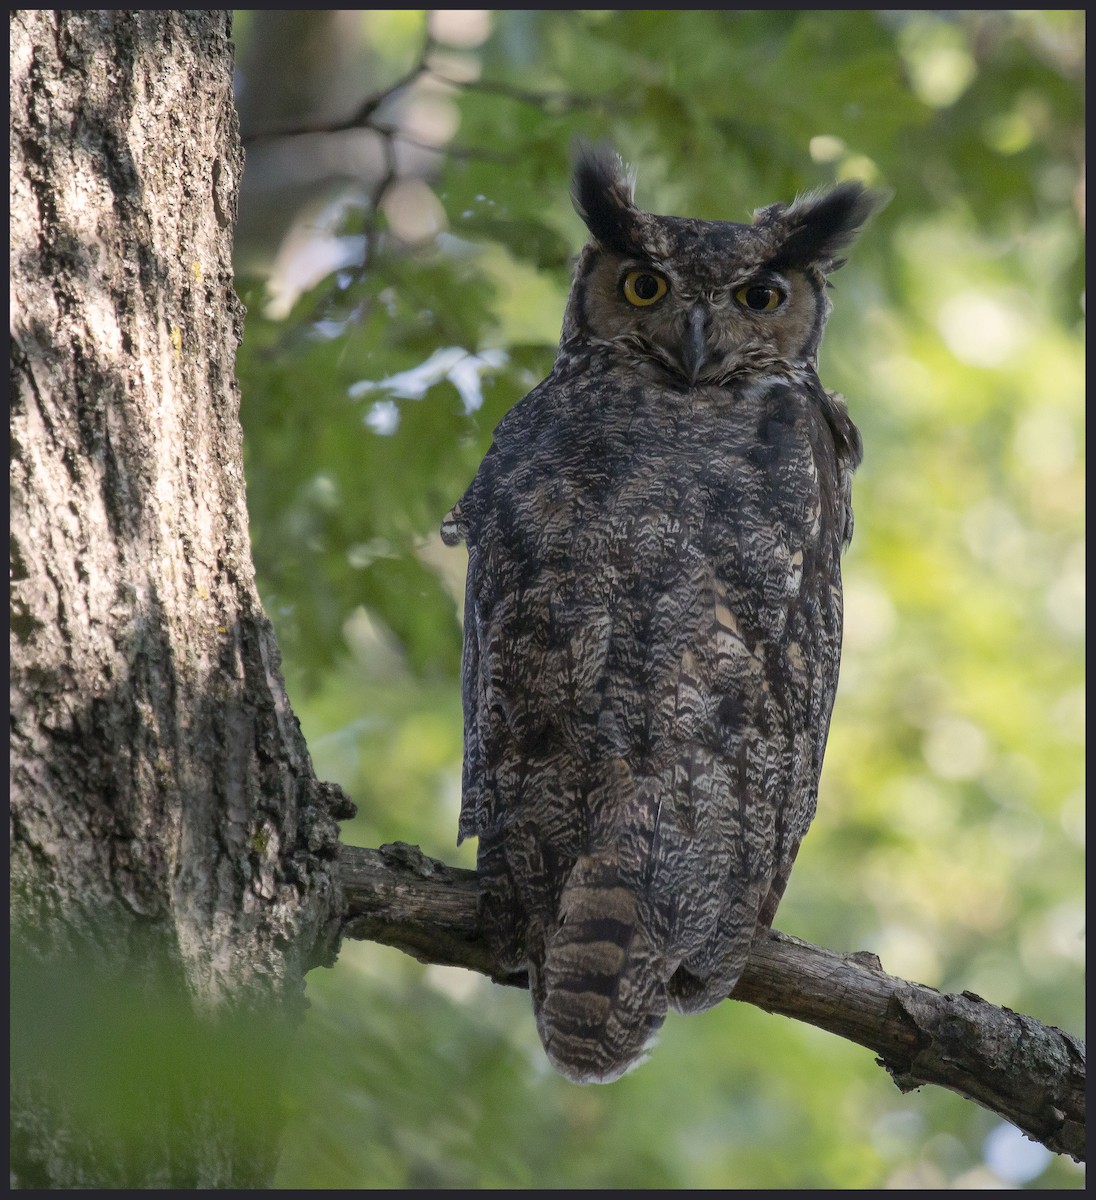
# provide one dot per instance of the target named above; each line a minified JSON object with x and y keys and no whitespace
{"x":170,"y":846}
{"x":1031,"y":1074}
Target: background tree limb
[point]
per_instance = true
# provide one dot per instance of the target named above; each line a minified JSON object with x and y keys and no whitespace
{"x":1029,"y":1073}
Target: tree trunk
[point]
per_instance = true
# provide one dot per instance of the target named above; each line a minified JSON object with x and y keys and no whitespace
{"x":171,"y":848}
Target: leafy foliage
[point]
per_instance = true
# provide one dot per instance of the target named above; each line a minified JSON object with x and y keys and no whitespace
{"x":949,"y":837}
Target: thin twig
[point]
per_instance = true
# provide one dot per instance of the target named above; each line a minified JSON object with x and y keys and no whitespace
{"x":362,"y":118}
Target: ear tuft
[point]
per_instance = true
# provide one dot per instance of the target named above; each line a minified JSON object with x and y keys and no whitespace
{"x":602,"y":191}
{"x":817,"y":227}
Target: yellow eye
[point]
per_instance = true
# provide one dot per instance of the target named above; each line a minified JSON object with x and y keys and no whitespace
{"x":642,"y":288}
{"x":759,"y":298}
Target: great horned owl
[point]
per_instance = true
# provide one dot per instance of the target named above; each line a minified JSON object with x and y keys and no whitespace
{"x":653,"y":621}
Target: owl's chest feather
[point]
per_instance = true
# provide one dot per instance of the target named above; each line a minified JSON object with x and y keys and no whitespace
{"x":640,"y":477}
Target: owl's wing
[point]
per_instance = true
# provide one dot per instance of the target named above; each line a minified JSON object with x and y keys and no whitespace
{"x":486,"y":518}
{"x":751,"y":694}
{"x":744,"y":789}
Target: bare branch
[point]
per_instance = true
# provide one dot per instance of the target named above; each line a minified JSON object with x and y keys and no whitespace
{"x":1029,"y":1073}
{"x":362,"y":118}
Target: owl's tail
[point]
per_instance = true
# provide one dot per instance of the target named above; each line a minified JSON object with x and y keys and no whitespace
{"x":598,"y":996}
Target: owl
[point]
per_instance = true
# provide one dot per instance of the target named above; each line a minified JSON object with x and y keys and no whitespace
{"x":652,"y":630}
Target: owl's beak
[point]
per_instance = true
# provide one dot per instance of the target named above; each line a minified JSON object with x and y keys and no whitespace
{"x":695,"y":343}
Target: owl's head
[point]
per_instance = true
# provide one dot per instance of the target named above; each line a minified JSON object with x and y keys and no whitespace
{"x":706,"y":300}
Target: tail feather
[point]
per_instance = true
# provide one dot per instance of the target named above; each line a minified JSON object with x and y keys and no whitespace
{"x":599,"y":992}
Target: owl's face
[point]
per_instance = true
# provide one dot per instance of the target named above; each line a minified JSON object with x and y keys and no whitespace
{"x":703,"y":300}
{"x":707,"y":300}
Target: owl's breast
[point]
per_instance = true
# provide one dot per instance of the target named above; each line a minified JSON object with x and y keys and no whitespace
{"x":617,"y":516}
{"x":643,"y":473}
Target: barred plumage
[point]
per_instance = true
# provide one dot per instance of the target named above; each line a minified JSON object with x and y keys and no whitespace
{"x":653,"y":619}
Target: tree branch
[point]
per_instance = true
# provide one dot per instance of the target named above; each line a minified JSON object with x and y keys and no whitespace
{"x":362,"y":117}
{"x":1031,"y":1074}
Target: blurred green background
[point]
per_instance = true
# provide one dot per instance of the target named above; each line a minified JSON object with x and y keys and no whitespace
{"x":404,"y":286}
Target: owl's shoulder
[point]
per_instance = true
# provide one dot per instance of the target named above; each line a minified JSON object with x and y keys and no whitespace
{"x":511,"y":441}
{"x":846,"y":437}
{"x":797,"y":398}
